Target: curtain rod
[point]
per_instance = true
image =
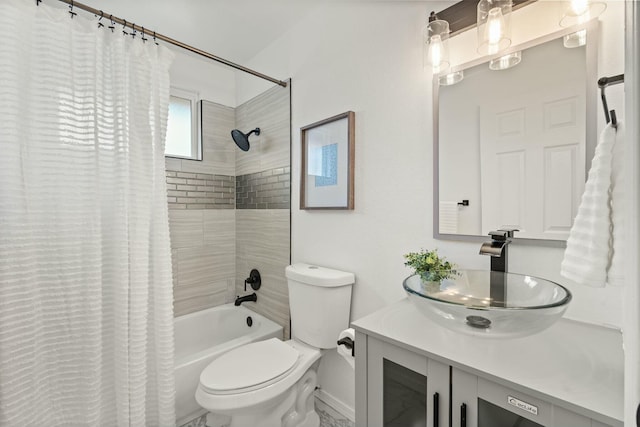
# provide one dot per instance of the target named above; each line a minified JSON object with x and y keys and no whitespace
{"x":73,"y":4}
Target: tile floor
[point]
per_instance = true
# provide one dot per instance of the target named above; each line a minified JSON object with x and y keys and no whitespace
{"x":329,"y":417}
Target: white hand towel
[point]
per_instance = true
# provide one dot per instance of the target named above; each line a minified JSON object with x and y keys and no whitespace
{"x":615,"y":274}
{"x":448,"y":222}
{"x":593,"y":255}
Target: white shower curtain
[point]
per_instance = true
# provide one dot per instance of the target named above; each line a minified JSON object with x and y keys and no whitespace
{"x":86,"y":318}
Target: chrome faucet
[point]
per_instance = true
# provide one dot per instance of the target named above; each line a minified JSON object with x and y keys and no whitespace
{"x":498,"y":250}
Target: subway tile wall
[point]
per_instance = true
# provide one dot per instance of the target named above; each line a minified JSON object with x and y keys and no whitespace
{"x":263,"y":201}
{"x":187,"y":190}
{"x":269,"y":189}
{"x":201,"y":197}
{"x":230,"y":212}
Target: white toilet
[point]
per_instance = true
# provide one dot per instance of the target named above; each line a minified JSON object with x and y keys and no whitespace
{"x":271,"y":383}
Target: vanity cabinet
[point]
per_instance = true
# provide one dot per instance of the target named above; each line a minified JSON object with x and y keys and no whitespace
{"x":404,"y":388}
{"x":412,"y":372}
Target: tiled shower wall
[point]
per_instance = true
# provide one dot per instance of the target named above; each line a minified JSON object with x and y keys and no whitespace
{"x":201,"y":196}
{"x":263,"y":202}
{"x":230,"y":212}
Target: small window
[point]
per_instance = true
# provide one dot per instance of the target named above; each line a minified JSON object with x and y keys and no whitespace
{"x":183,"y":129}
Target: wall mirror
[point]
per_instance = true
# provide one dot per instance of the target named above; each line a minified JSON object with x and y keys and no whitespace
{"x":512,"y":147}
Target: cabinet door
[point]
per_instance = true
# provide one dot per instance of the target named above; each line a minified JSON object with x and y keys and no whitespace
{"x":464,"y":403}
{"x":565,"y":418}
{"x":400,"y":392}
{"x":500,"y":406}
{"x":478,"y":402}
{"x":481,"y":403}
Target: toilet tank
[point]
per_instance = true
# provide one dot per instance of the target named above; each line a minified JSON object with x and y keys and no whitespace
{"x":320,"y":302}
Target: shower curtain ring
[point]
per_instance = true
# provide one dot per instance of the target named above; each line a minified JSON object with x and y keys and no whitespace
{"x":144,"y":39}
{"x":71,"y":12}
{"x":113,"y":24}
{"x":133,"y":35}
{"x":100,"y":24}
{"x":154,"y":38}
{"x":124,"y":27}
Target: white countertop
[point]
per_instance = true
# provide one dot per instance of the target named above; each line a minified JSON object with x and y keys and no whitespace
{"x":573,"y":364}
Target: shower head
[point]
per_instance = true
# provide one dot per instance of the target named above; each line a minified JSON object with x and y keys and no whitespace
{"x":241,"y":139}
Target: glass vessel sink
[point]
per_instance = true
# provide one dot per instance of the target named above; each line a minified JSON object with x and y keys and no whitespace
{"x":486,"y":303}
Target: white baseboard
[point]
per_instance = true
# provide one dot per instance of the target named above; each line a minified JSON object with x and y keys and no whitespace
{"x":336,"y":404}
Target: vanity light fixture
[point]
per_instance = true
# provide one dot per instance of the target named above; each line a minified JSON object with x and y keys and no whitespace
{"x":436,"y":44}
{"x":506,"y":61}
{"x":580,"y":11}
{"x":451,"y":78}
{"x":577,"y":39}
{"x":494,"y":26}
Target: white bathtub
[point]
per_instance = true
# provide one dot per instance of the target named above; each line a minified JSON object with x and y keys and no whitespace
{"x":203,"y":336}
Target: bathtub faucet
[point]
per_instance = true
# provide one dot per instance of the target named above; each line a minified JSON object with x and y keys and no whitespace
{"x":239,"y":300}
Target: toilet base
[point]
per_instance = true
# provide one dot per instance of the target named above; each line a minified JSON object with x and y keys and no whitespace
{"x":296,"y":408}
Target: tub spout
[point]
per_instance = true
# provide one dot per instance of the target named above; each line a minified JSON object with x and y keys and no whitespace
{"x":252,"y":297}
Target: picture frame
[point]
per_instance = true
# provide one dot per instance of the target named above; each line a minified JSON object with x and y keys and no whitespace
{"x":328,"y":156}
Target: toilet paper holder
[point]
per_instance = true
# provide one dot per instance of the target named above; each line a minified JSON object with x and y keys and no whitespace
{"x":348,"y":343}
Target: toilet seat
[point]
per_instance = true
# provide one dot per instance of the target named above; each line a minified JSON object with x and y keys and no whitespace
{"x":254,"y":396}
{"x":249,"y":367}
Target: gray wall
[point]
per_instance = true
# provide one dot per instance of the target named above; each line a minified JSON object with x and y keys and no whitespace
{"x":230,"y":212}
{"x":263,"y":202}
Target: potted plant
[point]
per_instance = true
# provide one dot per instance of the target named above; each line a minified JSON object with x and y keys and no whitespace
{"x":431,"y":268}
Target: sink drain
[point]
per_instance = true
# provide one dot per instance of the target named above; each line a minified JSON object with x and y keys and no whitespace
{"x":478,"y":322}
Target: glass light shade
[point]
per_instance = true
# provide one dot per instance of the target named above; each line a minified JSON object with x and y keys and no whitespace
{"x":451,"y":78}
{"x":436,"y":42}
{"x":506,"y":61}
{"x":576,"y":39}
{"x":494,"y":26}
{"x":580,"y":11}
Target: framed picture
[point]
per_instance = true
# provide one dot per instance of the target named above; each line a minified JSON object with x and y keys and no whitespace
{"x":328,"y":153}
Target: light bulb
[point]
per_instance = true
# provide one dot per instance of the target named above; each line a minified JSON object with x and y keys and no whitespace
{"x":494,"y":29}
{"x":580,"y":11}
{"x":493,"y":26}
{"x":578,"y":7}
{"x":436,"y":39}
{"x":435,"y":54}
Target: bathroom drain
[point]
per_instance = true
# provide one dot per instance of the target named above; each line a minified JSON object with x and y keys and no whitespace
{"x":249,"y":321}
{"x":478,"y":322}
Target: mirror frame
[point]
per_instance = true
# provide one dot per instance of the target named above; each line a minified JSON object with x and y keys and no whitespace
{"x":590,"y":132}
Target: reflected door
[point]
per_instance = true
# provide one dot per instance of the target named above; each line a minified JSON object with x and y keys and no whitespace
{"x":532,"y":167}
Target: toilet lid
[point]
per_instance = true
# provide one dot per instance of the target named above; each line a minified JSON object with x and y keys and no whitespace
{"x":249,"y":366}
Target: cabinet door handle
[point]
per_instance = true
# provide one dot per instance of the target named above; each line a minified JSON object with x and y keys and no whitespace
{"x":436,"y":410}
{"x":463,"y":415}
